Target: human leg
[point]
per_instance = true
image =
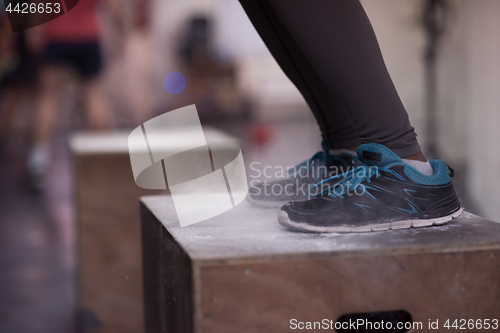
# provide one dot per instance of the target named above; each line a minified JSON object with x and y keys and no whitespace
{"x":339,"y":45}
{"x":86,"y":58}
{"x":385,"y":191}
{"x":95,"y":104}
{"x":47,"y":103}
{"x":336,"y":126}
{"x":46,"y":109}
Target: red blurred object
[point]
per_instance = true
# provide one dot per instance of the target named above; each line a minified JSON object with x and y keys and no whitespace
{"x":261,"y":134}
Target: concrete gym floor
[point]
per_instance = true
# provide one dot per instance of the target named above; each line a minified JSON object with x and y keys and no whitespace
{"x":37,"y":249}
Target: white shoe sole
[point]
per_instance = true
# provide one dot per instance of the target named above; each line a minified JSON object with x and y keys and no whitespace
{"x":284,"y":220}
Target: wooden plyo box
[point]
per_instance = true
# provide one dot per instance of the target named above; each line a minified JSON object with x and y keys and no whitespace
{"x":109,"y":233}
{"x":243,"y":272}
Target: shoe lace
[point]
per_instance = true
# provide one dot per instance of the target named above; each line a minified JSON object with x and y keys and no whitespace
{"x":350,"y":181}
{"x":323,"y":157}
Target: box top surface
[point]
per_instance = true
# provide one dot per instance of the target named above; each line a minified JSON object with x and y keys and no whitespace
{"x":116,"y":142}
{"x":246,"y":233}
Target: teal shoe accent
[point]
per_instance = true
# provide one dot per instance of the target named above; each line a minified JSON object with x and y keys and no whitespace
{"x":441,"y":174}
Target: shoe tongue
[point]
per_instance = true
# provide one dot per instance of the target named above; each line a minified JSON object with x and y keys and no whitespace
{"x":376,"y":154}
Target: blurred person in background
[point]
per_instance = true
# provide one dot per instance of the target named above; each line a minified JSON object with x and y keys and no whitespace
{"x":19,"y":63}
{"x":330,"y":52}
{"x":71,"y":41}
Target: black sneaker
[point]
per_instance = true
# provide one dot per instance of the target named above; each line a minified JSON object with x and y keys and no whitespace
{"x":384,"y":193}
{"x":323,"y":165}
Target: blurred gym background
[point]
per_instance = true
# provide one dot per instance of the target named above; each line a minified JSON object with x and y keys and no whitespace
{"x":442,"y":55}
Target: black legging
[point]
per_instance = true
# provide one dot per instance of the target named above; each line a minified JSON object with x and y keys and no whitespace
{"x":329,"y":51}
